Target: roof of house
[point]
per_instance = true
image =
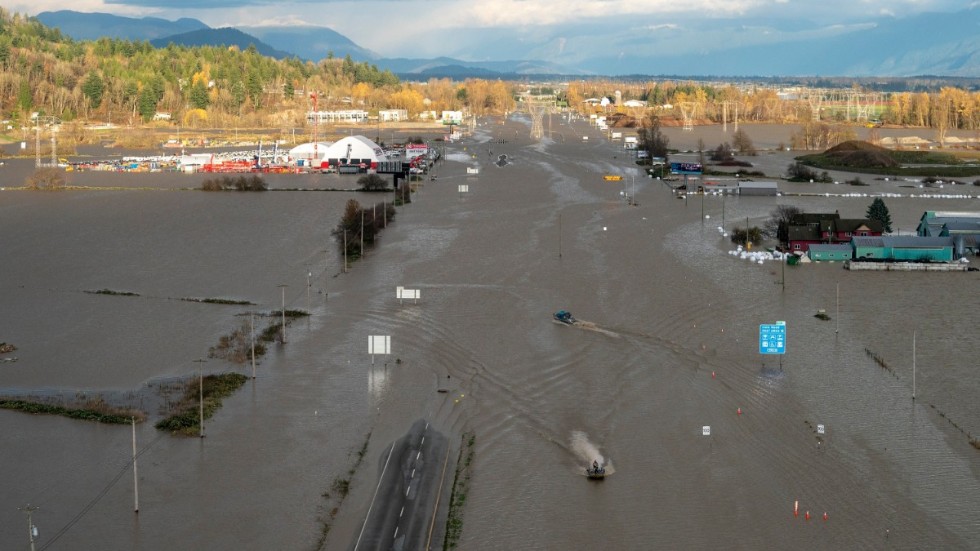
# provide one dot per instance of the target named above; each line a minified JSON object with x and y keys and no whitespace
{"x":827,"y":248}
{"x":913,"y":242}
{"x":813,"y":217}
{"x":962,"y":225}
{"x":852,"y":224}
{"x":803,"y":233}
{"x":949,"y":214}
{"x":875,"y":241}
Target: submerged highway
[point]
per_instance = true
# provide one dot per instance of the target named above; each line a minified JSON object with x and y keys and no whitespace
{"x":412,"y":487}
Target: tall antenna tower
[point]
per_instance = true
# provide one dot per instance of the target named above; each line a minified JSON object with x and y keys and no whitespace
{"x":687,"y":111}
{"x":537,"y":110}
{"x":537,"y":106}
{"x":814,"y":99}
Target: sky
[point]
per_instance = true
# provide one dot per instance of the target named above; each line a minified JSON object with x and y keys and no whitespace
{"x":500,"y":29}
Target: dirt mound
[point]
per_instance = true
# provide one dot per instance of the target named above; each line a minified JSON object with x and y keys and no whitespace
{"x":858,"y":153}
{"x":621,"y":120}
{"x":854,"y":145}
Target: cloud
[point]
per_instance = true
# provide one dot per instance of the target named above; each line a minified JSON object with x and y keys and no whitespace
{"x":496,"y":28}
{"x":663,"y":26}
{"x":172,"y":5}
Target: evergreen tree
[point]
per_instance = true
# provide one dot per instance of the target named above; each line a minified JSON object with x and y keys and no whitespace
{"x":878,"y":211}
{"x":4,"y":53}
{"x":25,"y":98}
{"x":199,"y":96}
{"x":146,"y":104}
{"x":93,"y":87}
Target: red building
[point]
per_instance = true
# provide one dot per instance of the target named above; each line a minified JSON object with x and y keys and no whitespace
{"x":811,"y":228}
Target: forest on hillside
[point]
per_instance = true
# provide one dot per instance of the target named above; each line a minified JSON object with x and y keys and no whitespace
{"x":129,"y":82}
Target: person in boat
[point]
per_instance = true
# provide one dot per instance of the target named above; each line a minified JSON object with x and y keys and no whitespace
{"x":595,"y":467}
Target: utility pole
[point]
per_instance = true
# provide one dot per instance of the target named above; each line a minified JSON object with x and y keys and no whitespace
{"x":252,"y":319}
{"x":283,"y":287}
{"x":785,"y":259}
{"x":31,"y":529}
{"x":724,"y":195}
{"x":837,"y":314}
{"x":136,"y":484}
{"x":37,"y":143}
{"x":913,"y":365}
{"x":200,"y":396}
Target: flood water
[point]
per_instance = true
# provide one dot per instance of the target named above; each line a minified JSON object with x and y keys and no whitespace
{"x":671,"y":346}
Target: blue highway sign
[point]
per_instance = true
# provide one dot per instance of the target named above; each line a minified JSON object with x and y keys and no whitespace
{"x":772,"y":338}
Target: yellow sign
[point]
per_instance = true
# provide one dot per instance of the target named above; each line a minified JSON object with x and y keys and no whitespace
{"x":612,"y":177}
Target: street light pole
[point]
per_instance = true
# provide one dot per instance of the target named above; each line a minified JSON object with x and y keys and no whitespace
{"x":283,"y":287}
{"x":136,"y":483}
{"x":252,"y":332}
{"x":31,"y":530}
{"x":200,"y":396}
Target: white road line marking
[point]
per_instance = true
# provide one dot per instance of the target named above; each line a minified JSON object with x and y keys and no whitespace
{"x":418,"y":455}
{"x":402,"y":512}
{"x":413,"y":473}
{"x":407,"y":489}
{"x":396,"y":533}
{"x":422,"y":442}
{"x":378,"y":487}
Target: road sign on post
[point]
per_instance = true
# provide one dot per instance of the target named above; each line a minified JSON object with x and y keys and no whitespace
{"x":772,"y":338}
{"x":379,"y":344}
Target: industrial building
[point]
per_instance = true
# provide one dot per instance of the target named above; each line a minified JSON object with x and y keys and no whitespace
{"x":355,"y":116}
{"x":758,"y":188}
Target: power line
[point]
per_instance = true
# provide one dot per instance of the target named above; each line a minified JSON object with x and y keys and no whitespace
{"x":100,"y":495}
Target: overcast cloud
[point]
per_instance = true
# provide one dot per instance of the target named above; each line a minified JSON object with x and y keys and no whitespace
{"x":456,"y":27}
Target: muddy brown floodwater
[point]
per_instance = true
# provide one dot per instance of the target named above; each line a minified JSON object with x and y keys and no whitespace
{"x":673,"y":347}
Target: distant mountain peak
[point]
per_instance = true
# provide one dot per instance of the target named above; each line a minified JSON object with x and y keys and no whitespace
{"x":225,"y":36}
{"x":93,"y":26}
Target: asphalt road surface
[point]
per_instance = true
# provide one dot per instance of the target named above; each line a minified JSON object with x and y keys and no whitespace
{"x":406,"y":501}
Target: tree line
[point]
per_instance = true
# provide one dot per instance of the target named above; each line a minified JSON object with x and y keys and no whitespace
{"x":129,"y":82}
{"x":946,"y":109}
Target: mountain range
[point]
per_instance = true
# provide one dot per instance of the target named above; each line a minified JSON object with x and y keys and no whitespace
{"x":925,"y":44}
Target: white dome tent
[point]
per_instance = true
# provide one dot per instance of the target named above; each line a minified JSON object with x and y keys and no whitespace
{"x":354,"y":154}
{"x":307,"y":155}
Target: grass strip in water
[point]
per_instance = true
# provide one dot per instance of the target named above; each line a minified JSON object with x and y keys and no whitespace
{"x":219,"y":301}
{"x":341,"y":488}
{"x":186,"y":420}
{"x":461,"y":486}
{"x":114,"y":293}
{"x":97,"y":411}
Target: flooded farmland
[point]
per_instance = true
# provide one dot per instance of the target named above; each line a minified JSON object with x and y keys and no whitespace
{"x":673,"y":348}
